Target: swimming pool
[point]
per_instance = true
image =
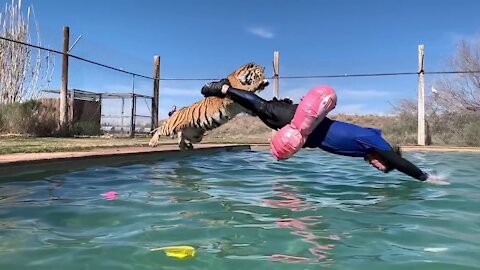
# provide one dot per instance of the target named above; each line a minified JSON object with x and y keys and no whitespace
{"x":244,"y":210}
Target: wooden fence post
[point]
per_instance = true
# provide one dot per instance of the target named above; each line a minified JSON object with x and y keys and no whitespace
{"x":421,"y":97}
{"x":64,"y":89}
{"x":156,"y":87}
{"x":123,"y":115}
{"x":132,"y":117}
{"x":276,"y":67}
{"x":276,"y":56}
{"x":71,"y":103}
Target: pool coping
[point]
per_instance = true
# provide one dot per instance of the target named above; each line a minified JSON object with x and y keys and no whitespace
{"x":31,"y":163}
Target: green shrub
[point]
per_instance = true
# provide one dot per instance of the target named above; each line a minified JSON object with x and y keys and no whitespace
{"x":18,"y":117}
{"x":28,"y":118}
{"x":472,"y":133}
{"x":89,"y":128}
{"x":452,"y":128}
{"x":401,"y":130}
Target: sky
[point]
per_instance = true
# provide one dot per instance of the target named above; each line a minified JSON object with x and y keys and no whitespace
{"x":211,"y":38}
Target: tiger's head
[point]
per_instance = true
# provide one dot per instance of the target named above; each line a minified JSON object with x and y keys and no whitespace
{"x":249,"y":77}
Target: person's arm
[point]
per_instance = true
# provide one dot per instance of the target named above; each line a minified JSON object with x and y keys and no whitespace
{"x":248,"y":100}
{"x":395,"y":161}
{"x":274,"y":113}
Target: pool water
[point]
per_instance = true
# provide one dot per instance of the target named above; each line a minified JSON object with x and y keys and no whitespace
{"x":244,"y":210}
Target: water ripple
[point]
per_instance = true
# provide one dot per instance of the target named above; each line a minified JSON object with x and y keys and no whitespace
{"x":246,"y":210}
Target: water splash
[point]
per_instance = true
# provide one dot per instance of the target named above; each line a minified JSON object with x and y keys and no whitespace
{"x":438,"y":178}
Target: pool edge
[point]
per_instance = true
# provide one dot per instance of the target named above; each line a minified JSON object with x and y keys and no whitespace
{"x":21,"y":164}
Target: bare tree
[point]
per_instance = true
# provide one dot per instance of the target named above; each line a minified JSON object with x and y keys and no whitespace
{"x":462,"y":92}
{"x":23,"y":70}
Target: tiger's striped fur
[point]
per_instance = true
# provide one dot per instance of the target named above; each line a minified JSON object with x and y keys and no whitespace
{"x":190,"y":123}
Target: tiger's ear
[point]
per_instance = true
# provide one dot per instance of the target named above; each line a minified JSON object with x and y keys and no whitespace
{"x":250,"y":65}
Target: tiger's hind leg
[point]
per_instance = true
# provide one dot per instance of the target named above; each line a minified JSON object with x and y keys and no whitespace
{"x":189,"y":136}
{"x":183,"y":143}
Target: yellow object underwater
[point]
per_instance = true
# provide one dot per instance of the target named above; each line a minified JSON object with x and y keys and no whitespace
{"x":179,"y":252}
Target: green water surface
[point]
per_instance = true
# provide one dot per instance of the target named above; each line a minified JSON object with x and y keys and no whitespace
{"x":244,"y":210}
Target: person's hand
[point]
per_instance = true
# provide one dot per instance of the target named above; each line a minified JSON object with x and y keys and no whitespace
{"x":215,"y":88}
{"x":374,"y":160}
{"x":285,"y":100}
{"x":225,"y":88}
{"x":436,"y":180}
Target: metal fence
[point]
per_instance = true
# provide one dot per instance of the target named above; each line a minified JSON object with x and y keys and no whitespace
{"x":116,"y":113}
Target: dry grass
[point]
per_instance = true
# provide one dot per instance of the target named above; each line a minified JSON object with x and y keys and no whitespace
{"x":242,"y":129}
{"x":15,"y":144}
{"x":453,"y":130}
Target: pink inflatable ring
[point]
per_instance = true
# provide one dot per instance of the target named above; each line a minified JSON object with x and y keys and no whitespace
{"x":311,"y":110}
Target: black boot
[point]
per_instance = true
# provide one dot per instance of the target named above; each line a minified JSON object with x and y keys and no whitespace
{"x":214,"y":88}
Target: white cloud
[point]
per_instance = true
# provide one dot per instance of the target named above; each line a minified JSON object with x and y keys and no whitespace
{"x":261,"y":32}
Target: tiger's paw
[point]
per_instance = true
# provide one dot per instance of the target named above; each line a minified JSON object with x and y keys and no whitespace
{"x":184,"y":146}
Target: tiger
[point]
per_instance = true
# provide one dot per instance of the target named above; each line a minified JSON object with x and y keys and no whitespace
{"x":190,"y":123}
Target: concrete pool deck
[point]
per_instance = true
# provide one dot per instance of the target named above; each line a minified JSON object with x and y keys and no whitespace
{"x":29,"y":163}
{"x":466,"y":149}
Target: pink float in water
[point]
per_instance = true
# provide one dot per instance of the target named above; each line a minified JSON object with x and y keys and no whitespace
{"x":111,"y":195}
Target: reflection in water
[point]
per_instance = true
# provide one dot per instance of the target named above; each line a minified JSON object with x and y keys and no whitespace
{"x":214,"y":203}
{"x":301,"y":226}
